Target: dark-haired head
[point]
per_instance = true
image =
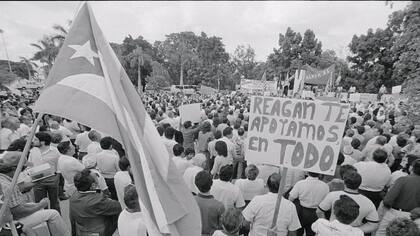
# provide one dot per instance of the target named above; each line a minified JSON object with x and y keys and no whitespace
{"x":84,"y":180}
{"x":352,"y":180}
{"x":226,"y":173}
{"x":106,"y":143}
{"x":273,"y":182}
{"x":203,"y":180}
{"x":380,"y":156}
{"x":346,"y":209}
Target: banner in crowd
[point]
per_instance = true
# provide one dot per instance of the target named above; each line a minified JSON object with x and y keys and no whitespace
{"x":396,"y":89}
{"x":208,"y":91}
{"x":319,"y":77}
{"x":258,"y":86}
{"x":298,"y":134}
{"x":190,"y":112}
{"x":363,"y":97}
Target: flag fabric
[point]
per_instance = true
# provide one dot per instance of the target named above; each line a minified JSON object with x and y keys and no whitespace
{"x":87,"y":84}
{"x":338,"y":80}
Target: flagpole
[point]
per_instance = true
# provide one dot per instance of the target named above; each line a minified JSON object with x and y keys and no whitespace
{"x":22,"y":160}
{"x":272,"y":229}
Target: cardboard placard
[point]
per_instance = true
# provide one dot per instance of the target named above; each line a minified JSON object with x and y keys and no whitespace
{"x":190,"y":112}
{"x":294,"y":133}
{"x":396,"y":89}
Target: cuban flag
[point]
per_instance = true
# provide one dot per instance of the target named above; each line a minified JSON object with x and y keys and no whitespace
{"x":87,"y":84}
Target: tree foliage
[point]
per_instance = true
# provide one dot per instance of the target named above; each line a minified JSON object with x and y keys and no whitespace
{"x":294,"y":51}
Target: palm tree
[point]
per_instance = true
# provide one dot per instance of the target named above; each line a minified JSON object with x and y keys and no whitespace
{"x":47,"y":51}
{"x":138,"y":58}
{"x":29,"y":65}
{"x":49,"y":46}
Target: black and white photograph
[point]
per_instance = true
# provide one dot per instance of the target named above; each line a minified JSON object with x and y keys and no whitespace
{"x":209,"y":118}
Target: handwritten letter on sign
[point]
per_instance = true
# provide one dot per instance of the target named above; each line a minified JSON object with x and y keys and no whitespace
{"x":299,"y":134}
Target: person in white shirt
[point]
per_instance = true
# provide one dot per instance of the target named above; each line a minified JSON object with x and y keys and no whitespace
{"x":131,"y":221}
{"x":368,"y":218}
{"x":94,"y":146}
{"x":168,"y":140}
{"x":225,"y":192}
{"x":82,"y":142}
{"x":68,"y":166}
{"x":122,"y":179}
{"x":8,"y":132}
{"x":259,"y":212}
{"x":89,"y":161}
{"x":310,"y":192}
{"x":227,"y":138}
{"x":25,"y":126}
{"x":107,"y":164}
{"x":346,"y":211}
{"x":231,"y":223}
{"x":40,"y":154}
{"x":375,"y":176}
{"x":179,"y":160}
{"x":222,"y":158}
{"x":198,"y":164}
{"x":252,"y":186}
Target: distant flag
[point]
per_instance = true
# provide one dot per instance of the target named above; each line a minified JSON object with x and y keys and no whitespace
{"x":87,"y":84}
{"x":338,"y":80}
{"x":263,"y":77}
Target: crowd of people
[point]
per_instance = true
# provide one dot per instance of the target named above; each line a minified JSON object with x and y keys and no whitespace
{"x":374,"y":191}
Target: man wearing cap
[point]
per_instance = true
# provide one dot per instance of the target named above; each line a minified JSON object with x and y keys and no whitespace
{"x":28,"y":213}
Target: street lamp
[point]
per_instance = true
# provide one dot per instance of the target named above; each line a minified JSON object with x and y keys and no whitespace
{"x":5,"y":49}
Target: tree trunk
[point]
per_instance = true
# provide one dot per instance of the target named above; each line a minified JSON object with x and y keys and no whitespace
{"x":139,"y":84}
{"x":181,"y":80}
{"x":29,"y":71}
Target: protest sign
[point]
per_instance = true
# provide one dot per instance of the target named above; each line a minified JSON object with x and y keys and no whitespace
{"x":396,"y":89}
{"x":190,"y":112}
{"x":258,"y":86}
{"x":354,"y":97}
{"x":293,"y":133}
{"x":209,"y":91}
{"x":368,"y":97}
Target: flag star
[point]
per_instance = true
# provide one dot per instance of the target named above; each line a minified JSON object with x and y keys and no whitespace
{"x":85,"y":51}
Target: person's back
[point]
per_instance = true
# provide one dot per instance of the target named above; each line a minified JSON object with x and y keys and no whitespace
{"x":131,"y":221}
{"x":259,"y":212}
{"x":92,"y":212}
{"x":346,"y":210}
{"x":367,"y":210}
{"x":107,"y":159}
{"x":210,"y":209}
{"x":252,"y":186}
{"x":224,"y":191}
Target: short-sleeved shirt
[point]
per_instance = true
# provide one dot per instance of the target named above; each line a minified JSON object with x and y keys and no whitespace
{"x":131,"y":224}
{"x":310,"y":192}
{"x":82,"y":141}
{"x":17,"y":198}
{"x":367,"y":210}
{"x":250,"y":188}
{"x":323,"y":227}
{"x":227,"y":193}
{"x":107,"y":163}
{"x":68,"y":167}
{"x":50,"y":156}
{"x":375,"y":176}
{"x":260,"y":213}
{"x":189,"y":177}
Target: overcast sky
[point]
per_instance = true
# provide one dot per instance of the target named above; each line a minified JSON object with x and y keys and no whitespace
{"x":254,"y":23}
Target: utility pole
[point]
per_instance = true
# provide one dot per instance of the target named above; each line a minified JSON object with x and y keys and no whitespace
{"x":5,"y":49}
